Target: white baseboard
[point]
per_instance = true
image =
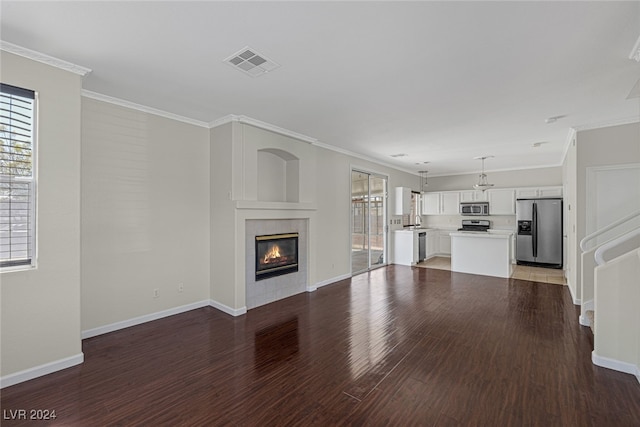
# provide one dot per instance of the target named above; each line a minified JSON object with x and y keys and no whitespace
{"x":576,"y":301}
{"x":616,"y":365}
{"x":226,"y":309}
{"x":332,"y":280}
{"x":142,"y":319}
{"x":39,"y":371}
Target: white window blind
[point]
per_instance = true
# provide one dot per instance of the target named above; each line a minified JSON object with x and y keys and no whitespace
{"x":17,"y":183}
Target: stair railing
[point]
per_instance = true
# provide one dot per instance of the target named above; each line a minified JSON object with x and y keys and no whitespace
{"x":603,"y":249}
{"x":592,"y":236}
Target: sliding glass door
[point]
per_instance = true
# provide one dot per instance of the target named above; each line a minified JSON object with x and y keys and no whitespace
{"x":368,"y":221}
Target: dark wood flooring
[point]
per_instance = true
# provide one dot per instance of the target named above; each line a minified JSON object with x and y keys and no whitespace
{"x":397,"y":346}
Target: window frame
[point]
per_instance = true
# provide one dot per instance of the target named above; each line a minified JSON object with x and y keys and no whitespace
{"x":31,"y":262}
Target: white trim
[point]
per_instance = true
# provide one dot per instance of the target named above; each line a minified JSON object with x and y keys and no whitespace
{"x":281,"y":206}
{"x":142,"y":319}
{"x":332,"y":280}
{"x":608,"y":123}
{"x":262,"y":125}
{"x":576,"y":301}
{"x":45,"y":59}
{"x":143,"y":108}
{"x":635,"y":52}
{"x":41,"y":370}
{"x":365,"y":157}
{"x":552,"y":165}
{"x":571,"y":136}
{"x":616,"y":365}
{"x":226,"y":309}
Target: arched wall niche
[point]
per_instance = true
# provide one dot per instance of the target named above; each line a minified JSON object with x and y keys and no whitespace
{"x":278,"y":176}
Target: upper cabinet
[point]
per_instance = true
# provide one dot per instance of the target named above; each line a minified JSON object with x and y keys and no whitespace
{"x":441,"y":203}
{"x":403,"y":201}
{"x":473,"y":196}
{"x":502,"y":201}
{"x":533,"y":193}
{"x":450,"y":203}
{"x":431,"y":204}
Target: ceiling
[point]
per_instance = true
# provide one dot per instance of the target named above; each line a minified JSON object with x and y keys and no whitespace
{"x":440,"y":82}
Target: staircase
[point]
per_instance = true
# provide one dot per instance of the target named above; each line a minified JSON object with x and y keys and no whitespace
{"x":619,"y":243}
{"x":591,"y":318}
{"x":611,"y":278}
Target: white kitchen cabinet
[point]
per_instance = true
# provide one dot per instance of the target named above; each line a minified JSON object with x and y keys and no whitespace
{"x":433,"y":237}
{"x":431,"y":204}
{"x":550,"y":192}
{"x":441,"y":203}
{"x":450,"y":203}
{"x":502,"y":201}
{"x":473,"y":196}
{"x":403,"y":201}
{"x":405,"y":247}
{"x":444,"y":243}
{"x":532,"y":193}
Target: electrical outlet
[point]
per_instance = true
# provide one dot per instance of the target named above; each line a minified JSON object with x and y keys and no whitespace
{"x":156,"y":293}
{"x":180,"y":287}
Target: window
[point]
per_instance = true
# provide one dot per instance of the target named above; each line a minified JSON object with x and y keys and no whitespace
{"x":17,"y":177}
{"x":409,"y":220}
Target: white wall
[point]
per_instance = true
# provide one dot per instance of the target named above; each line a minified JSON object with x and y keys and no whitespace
{"x":614,"y":145}
{"x":539,"y":177}
{"x":569,"y":173}
{"x":41,"y":307}
{"x":145,"y":213}
{"x":333,"y":186}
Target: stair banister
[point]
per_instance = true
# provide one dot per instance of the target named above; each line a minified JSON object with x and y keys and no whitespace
{"x":599,"y":254}
{"x":583,"y":242}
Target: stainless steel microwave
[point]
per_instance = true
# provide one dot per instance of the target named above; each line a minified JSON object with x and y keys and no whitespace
{"x":474,"y":208}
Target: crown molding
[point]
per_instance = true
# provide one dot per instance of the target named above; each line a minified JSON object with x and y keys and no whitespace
{"x":45,"y":59}
{"x":313,"y":141}
{"x":635,"y":52}
{"x":608,"y":123}
{"x":364,"y":157}
{"x":143,"y":108}
{"x":262,"y":125}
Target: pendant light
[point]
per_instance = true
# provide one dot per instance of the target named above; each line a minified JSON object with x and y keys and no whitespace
{"x":423,"y":181}
{"x":482,"y":184}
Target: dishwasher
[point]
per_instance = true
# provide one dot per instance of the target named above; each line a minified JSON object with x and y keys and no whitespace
{"x":422,"y":246}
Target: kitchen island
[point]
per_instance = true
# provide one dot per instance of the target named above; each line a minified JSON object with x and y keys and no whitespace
{"x":484,"y":253}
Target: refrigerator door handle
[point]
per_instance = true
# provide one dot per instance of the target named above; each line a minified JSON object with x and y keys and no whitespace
{"x":534,"y":230}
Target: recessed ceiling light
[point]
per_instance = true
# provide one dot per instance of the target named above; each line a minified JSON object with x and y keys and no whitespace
{"x":399,"y":155}
{"x":250,"y":62}
{"x":538,"y":144}
{"x":554,"y":119}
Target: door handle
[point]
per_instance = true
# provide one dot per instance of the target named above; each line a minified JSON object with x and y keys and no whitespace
{"x":534,"y":231}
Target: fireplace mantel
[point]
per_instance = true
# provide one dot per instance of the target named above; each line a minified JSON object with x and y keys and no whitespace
{"x":283,"y":206}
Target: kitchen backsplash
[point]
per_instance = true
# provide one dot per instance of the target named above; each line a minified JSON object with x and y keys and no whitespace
{"x":500,"y":222}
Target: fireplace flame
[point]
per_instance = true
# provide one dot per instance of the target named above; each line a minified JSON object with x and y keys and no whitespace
{"x":272,"y":254}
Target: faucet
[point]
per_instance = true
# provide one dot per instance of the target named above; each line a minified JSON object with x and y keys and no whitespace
{"x":418,"y":222}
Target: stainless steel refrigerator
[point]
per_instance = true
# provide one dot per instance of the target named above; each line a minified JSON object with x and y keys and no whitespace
{"x":539,"y":234}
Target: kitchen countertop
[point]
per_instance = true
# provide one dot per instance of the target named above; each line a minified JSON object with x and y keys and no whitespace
{"x":503,"y":234}
{"x":414,"y":230}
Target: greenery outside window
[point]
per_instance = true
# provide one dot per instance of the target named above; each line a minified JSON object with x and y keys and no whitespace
{"x":17,"y":177}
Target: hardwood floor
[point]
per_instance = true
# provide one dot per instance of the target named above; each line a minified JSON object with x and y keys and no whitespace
{"x":396,"y":346}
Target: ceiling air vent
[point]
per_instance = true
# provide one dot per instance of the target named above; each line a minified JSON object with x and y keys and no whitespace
{"x":251,"y":62}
